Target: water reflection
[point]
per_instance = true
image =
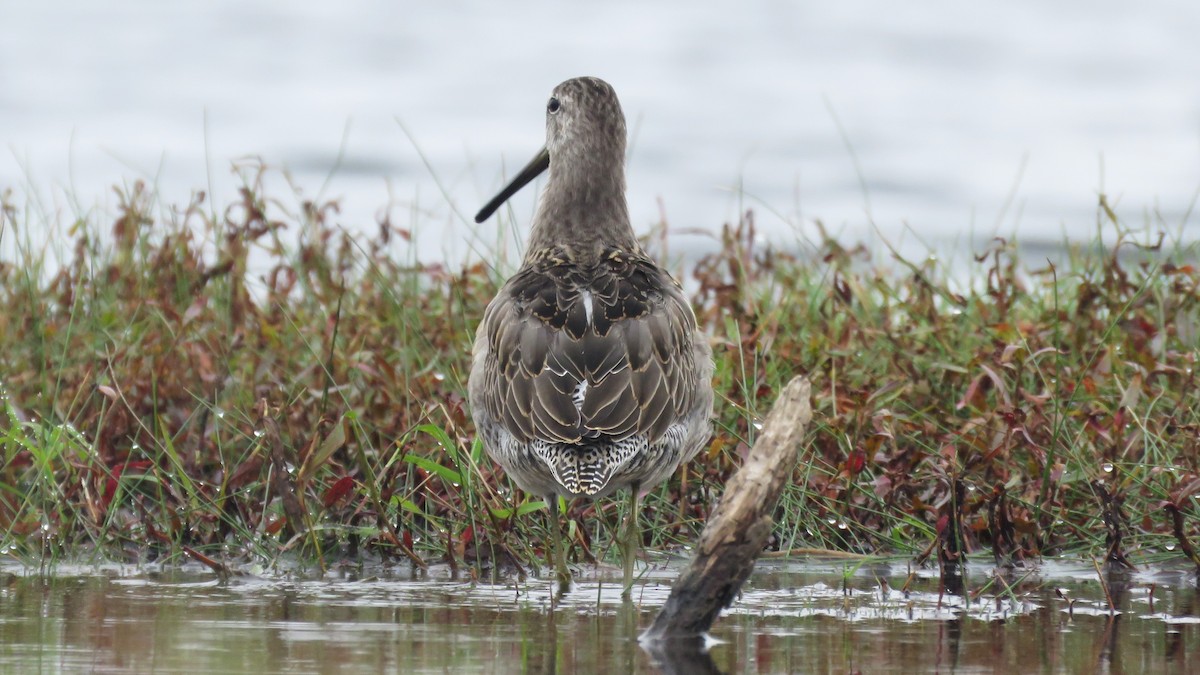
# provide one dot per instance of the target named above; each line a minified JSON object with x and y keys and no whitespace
{"x":682,"y":656}
{"x":953,"y":582}
{"x":792,"y":618}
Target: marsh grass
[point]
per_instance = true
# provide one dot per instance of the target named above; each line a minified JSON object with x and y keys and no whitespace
{"x":249,"y":384}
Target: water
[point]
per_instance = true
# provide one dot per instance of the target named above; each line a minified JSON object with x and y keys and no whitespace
{"x":936,"y":123}
{"x":794,"y":617}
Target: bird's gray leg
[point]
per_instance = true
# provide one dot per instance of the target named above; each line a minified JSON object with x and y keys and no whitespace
{"x":556,"y":547}
{"x":631,"y":537}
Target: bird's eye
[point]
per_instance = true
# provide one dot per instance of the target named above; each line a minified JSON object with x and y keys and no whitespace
{"x":553,"y":106}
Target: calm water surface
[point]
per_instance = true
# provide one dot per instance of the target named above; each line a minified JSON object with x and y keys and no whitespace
{"x":795,"y":618}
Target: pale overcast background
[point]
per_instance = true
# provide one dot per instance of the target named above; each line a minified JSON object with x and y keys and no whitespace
{"x":907,"y":122}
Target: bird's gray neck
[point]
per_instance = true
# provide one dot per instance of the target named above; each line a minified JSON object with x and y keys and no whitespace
{"x":583,"y":209}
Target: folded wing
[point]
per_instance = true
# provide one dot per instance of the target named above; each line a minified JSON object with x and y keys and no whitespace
{"x":579,"y":352}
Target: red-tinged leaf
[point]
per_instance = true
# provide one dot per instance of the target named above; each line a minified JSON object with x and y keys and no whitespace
{"x":856,"y":462}
{"x":408,"y":539}
{"x":998,"y":383}
{"x":338,"y":491}
{"x":246,"y":472}
{"x":942,"y":523}
{"x":110,"y":481}
{"x":974,"y":394}
{"x":215,"y":566}
{"x":109,"y":491}
{"x":1146,"y":327}
{"x":275,"y":526}
{"x":1118,"y":420}
{"x":25,"y":527}
{"x":1089,"y":385}
{"x":468,"y":536}
{"x":136,"y":465}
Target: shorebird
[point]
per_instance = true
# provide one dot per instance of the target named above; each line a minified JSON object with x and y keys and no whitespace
{"x":589,"y":373}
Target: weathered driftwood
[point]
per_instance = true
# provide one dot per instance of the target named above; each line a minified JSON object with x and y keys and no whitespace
{"x":739,"y":527}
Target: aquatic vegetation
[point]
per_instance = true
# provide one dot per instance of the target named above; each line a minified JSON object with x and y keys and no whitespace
{"x":244,"y":382}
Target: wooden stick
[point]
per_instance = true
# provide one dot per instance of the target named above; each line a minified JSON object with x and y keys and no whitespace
{"x":739,"y":527}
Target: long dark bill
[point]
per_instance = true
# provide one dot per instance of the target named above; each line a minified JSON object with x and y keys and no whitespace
{"x":540,"y":163}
